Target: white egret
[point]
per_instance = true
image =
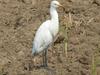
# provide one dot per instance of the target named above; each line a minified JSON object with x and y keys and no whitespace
{"x":47,"y":32}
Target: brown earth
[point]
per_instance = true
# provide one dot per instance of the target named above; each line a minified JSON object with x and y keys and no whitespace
{"x":19,"y":19}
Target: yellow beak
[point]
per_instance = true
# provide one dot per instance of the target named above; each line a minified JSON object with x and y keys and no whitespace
{"x":61,"y":6}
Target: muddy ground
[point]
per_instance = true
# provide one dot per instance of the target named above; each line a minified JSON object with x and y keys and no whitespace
{"x":76,"y":51}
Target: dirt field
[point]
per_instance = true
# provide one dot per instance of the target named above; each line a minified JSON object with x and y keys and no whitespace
{"x":19,"y":19}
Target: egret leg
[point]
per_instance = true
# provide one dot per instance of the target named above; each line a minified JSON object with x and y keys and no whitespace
{"x":45,"y":58}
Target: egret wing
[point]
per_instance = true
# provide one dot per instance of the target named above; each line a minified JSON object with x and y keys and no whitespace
{"x":42,"y":38}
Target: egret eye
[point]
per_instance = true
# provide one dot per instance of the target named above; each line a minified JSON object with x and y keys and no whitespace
{"x":55,"y":4}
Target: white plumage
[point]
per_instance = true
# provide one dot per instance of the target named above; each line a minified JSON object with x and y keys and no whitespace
{"x":47,"y":31}
{"x":42,"y":38}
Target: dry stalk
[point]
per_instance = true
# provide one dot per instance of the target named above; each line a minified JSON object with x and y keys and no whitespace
{"x":90,"y":20}
{"x":68,"y":24}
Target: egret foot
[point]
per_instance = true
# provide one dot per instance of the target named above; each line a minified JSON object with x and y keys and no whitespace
{"x":44,"y":65}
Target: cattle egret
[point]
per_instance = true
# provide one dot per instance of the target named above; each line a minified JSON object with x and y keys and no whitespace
{"x":46,"y":33}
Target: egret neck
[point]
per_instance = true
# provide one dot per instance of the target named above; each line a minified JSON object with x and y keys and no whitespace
{"x":54,"y":14}
{"x":54,"y":21}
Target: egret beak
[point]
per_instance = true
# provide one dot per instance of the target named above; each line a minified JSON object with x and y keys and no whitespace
{"x":61,"y":6}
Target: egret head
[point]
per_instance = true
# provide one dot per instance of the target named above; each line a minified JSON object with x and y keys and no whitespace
{"x":55,"y":4}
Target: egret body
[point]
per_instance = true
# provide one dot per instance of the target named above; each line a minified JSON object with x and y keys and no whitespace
{"x":47,"y":32}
